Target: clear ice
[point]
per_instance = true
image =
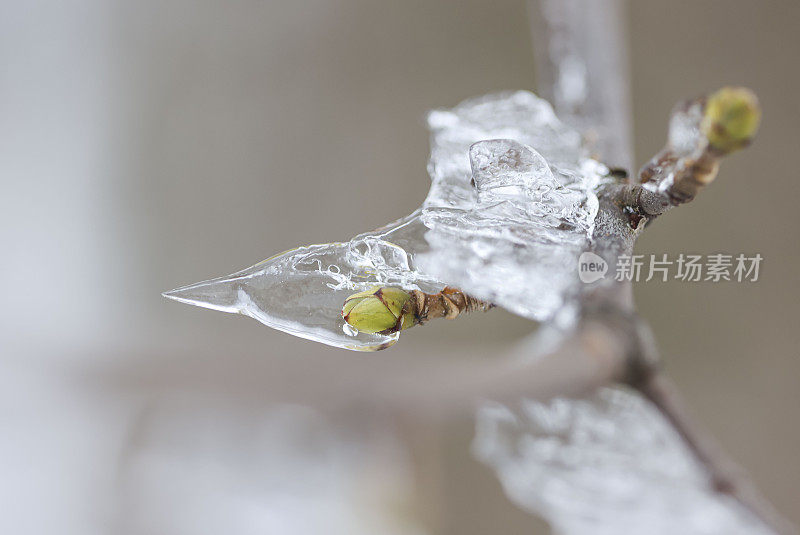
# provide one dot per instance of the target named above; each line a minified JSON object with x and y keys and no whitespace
{"x":685,"y":145}
{"x":603,"y":465}
{"x":510,"y":208}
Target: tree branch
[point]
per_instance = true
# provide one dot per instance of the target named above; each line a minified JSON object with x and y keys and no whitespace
{"x":610,"y":343}
{"x":571,"y":59}
{"x":702,"y":131}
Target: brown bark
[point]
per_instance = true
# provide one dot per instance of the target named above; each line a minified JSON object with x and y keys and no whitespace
{"x":449,"y":303}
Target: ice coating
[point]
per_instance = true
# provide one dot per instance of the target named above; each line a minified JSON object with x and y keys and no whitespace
{"x":685,"y":143}
{"x":509,"y":217}
{"x":301,"y":291}
{"x":604,"y":465}
{"x":510,"y":208}
{"x":517,"y":244}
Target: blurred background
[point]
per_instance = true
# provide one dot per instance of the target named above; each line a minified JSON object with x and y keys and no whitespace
{"x":145,"y":145}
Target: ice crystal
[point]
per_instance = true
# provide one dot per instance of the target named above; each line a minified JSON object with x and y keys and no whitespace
{"x":510,"y":208}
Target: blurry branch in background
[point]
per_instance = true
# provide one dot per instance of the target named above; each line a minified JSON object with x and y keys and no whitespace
{"x":582,"y":69}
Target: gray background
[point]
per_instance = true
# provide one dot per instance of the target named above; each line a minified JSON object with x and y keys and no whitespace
{"x":151,"y":144}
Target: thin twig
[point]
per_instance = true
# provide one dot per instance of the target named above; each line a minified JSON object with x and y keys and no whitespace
{"x":702,"y":131}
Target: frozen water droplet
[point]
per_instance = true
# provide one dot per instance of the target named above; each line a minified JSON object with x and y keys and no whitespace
{"x":503,"y":169}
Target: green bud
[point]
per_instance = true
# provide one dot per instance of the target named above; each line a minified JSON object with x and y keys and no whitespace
{"x":731,"y":118}
{"x":378,"y":310}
